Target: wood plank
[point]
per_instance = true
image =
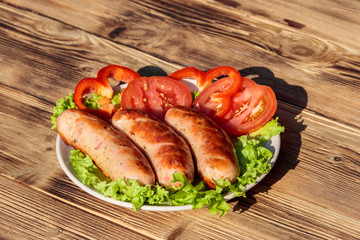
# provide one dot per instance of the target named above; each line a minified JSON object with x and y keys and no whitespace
{"x":29,"y":214}
{"x":288,"y":182}
{"x":39,"y":66}
{"x":318,"y":161}
{"x":305,"y":196}
{"x":189,"y":37}
{"x":264,"y":215}
{"x":342,"y":16}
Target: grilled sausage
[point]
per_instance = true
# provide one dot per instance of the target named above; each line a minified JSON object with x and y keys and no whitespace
{"x":167,"y":152}
{"x":213,"y":151}
{"x":111,"y":150}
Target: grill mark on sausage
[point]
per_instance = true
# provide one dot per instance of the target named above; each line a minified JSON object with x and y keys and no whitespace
{"x":171,"y":156}
{"x":212,"y":148}
{"x":117,"y":157}
{"x":169,"y":153}
{"x":154,"y":132}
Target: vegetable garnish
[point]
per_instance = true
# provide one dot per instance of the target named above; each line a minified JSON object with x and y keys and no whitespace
{"x":252,"y":154}
{"x":203,"y":79}
{"x":194,"y":95}
{"x":193,"y":73}
{"x":155,"y":95}
{"x":243,"y":108}
{"x":242,"y":112}
{"x":119,"y":73}
{"x":116,"y":100}
{"x":237,"y":104}
{"x":228,"y":89}
{"x":93,"y":102}
{"x":101,"y":86}
{"x":253,"y":158}
{"x":94,"y":85}
{"x":61,"y":105}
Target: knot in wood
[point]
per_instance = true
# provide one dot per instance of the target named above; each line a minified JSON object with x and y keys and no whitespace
{"x":115,"y":33}
{"x":305,"y":48}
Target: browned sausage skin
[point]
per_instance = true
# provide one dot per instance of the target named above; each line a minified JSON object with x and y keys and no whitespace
{"x":166,"y":150}
{"x":212,"y":148}
{"x":111,"y":150}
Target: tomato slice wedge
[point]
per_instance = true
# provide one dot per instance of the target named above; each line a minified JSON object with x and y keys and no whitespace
{"x":155,"y":95}
{"x":246,"y":111}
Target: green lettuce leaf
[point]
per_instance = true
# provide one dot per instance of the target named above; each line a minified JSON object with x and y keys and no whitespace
{"x":131,"y":191}
{"x":92,"y":102}
{"x":250,"y":150}
{"x":61,"y":105}
{"x":253,"y":160}
{"x":85,"y":168}
{"x":194,"y":95}
{"x":116,"y":100}
{"x":269,"y":130}
{"x":252,"y":155}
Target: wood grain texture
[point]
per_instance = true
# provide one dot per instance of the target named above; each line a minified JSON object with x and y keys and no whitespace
{"x":33,"y":215}
{"x":313,"y":190}
{"x":213,"y":34}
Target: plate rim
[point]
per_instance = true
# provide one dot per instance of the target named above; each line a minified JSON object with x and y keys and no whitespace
{"x":274,"y":142}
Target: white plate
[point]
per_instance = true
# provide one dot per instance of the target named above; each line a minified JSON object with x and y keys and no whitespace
{"x":63,"y":154}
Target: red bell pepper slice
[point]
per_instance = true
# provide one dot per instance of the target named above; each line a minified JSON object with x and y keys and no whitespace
{"x":215,"y":99}
{"x":101,"y":85}
{"x":231,"y":73}
{"x":94,"y":85}
{"x":120,"y":73}
{"x":191,"y":72}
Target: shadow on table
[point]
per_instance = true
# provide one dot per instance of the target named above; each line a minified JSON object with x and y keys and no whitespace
{"x":149,"y":71}
{"x":292,"y":100}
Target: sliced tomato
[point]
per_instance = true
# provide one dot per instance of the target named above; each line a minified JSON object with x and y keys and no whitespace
{"x":247,"y":110}
{"x":155,"y":95}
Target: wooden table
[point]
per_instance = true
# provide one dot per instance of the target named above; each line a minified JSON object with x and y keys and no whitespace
{"x":307,"y":51}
